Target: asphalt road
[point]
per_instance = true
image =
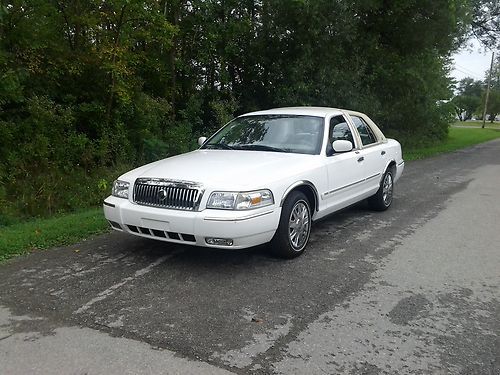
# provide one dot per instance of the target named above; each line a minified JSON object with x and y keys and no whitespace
{"x":413,"y":290}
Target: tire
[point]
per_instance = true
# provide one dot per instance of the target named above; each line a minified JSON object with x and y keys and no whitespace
{"x":294,"y":229}
{"x":382,"y":199}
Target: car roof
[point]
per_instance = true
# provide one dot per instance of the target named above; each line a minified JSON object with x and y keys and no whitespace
{"x":305,"y":111}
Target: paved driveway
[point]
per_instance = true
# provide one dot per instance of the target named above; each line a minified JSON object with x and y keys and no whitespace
{"x":411,"y":290}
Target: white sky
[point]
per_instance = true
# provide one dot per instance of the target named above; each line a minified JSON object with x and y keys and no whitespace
{"x":472,"y":61}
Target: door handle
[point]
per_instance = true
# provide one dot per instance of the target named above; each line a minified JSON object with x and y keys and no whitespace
{"x":361,"y":159}
{"x":382,"y":153}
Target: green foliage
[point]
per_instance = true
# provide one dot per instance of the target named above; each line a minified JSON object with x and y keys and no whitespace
{"x":89,"y":88}
{"x":468,"y":99}
{"x":484,"y":17}
{"x":493,"y":108}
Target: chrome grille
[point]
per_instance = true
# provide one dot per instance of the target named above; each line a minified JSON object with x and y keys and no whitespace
{"x":177,"y":195}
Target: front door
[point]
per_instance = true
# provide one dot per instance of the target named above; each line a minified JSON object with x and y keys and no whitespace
{"x":345,"y":170}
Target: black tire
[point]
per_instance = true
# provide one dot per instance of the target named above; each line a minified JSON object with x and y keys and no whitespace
{"x":291,"y":242}
{"x":382,"y":200}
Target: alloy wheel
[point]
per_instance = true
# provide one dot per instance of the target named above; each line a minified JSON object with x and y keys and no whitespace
{"x":387,"y":189}
{"x":299,"y":225}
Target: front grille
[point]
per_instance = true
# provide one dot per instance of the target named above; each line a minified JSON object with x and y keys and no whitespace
{"x":177,"y":195}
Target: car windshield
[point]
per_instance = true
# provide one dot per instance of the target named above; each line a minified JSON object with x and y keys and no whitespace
{"x":276,"y":133}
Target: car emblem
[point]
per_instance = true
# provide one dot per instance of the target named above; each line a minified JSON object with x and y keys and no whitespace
{"x":162,"y":194}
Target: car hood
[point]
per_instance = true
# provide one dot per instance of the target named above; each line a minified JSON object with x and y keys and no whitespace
{"x":236,"y":169}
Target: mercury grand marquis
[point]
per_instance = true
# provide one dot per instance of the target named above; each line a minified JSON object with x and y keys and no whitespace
{"x":265,"y":177}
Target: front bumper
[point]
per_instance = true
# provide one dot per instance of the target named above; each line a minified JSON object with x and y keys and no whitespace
{"x":245,"y":228}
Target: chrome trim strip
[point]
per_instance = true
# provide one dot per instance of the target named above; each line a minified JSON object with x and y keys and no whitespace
{"x":297,"y":184}
{"x":238,"y":218}
{"x":401,"y":163}
{"x":343,"y":187}
{"x":325,"y":195}
{"x":168,"y":182}
{"x":375,"y":175}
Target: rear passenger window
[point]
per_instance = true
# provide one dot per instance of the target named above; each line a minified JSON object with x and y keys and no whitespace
{"x":364,"y":130}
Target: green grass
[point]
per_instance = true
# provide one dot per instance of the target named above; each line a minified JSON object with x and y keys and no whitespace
{"x":60,"y":230}
{"x":458,"y":138}
{"x":478,"y":124}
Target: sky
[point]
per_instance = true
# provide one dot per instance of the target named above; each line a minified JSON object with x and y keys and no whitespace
{"x":471,"y":61}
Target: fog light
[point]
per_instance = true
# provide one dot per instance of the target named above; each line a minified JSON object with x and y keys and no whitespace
{"x":219,"y":241}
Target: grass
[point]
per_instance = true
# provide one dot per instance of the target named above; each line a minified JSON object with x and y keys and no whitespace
{"x":475,"y":123}
{"x":21,"y":238}
{"x":458,"y":138}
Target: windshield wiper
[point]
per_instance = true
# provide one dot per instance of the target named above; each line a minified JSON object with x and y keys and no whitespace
{"x":263,"y":148}
{"x":219,"y":146}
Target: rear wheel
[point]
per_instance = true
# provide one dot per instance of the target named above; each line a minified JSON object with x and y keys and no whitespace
{"x":294,"y":228}
{"x":382,"y":200}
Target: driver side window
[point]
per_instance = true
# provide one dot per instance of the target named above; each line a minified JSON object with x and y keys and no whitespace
{"x":339,"y":130}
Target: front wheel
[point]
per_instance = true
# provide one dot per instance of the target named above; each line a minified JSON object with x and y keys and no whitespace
{"x":294,"y":228}
{"x":382,"y":200}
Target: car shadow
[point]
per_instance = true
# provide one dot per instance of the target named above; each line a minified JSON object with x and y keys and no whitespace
{"x":155,"y":249}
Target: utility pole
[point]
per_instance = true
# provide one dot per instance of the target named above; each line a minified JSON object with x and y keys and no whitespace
{"x":488,"y":91}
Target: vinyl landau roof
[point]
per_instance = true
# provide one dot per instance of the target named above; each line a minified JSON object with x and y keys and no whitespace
{"x":307,"y":111}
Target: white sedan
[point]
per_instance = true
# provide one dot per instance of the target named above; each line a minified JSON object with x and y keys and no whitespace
{"x":264,"y":177}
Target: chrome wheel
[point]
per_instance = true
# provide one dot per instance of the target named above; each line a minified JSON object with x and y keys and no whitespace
{"x":387,"y":188}
{"x":299,"y":225}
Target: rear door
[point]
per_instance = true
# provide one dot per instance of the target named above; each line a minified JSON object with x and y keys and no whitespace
{"x":373,"y":154}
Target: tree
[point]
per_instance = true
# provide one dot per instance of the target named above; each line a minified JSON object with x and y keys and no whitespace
{"x":485,"y":22}
{"x":494,"y":104}
{"x":86,"y":86}
{"x":468,"y":98}
{"x":493,"y":108}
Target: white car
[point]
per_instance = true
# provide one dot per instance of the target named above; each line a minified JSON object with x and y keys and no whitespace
{"x":264,"y":177}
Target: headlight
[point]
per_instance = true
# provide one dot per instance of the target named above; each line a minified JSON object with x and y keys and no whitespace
{"x":120,"y":189}
{"x":223,"y":200}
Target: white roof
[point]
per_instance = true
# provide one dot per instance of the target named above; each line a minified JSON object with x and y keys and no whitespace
{"x":307,"y":111}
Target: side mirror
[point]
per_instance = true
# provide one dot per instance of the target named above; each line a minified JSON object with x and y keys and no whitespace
{"x":201,"y":140}
{"x":342,"y":146}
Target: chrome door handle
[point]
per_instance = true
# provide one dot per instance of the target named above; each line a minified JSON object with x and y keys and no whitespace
{"x":361,"y":159}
